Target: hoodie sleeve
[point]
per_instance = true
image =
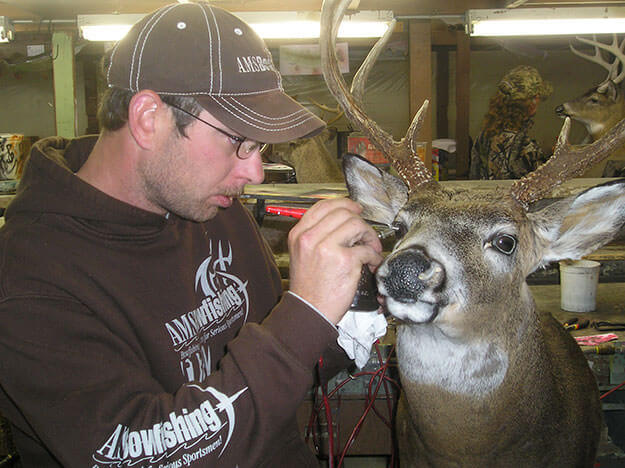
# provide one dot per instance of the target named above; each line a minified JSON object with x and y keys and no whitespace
{"x":95,"y":403}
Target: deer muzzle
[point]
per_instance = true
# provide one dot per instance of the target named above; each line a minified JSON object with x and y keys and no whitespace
{"x":561,"y":111}
{"x":409,"y":273}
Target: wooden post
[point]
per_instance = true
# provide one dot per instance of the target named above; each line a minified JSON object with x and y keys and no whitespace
{"x":64,"y":83}
{"x":463,"y":91}
{"x":420,"y":45}
{"x":442,"y":93}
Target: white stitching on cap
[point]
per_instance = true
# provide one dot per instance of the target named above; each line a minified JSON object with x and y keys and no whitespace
{"x":205,"y":93}
{"x":252,"y":111}
{"x":108,"y":71}
{"x":296,"y":117}
{"x":221,"y":79}
{"x":309,"y":117}
{"x":154,"y":20}
{"x":249,"y":93}
{"x":210,"y":45}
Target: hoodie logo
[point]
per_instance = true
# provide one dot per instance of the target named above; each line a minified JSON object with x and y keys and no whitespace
{"x":183,"y":431}
{"x":224,"y":302}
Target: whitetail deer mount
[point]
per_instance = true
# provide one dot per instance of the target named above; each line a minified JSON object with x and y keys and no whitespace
{"x":488,"y":380}
{"x":312,"y":158}
{"x":603,"y":106}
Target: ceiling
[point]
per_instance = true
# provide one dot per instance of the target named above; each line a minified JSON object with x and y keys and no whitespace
{"x":30,"y":15}
{"x":68,"y":9}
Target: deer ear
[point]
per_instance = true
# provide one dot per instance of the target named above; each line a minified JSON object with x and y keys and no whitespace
{"x":577,"y":225}
{"x":381,"y":194}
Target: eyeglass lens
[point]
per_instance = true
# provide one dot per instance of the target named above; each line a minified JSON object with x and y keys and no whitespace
{"x":247,"y":147}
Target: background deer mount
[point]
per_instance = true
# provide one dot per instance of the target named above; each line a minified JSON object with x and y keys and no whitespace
{"x":602,"y":106}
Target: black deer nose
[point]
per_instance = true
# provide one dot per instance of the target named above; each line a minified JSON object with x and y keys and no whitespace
{"x":408,"y":274}
{"x":560,"y":110}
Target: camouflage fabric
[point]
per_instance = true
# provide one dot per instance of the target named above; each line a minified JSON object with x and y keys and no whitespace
{"x":507,"y":155}
{"x":524,"y":82}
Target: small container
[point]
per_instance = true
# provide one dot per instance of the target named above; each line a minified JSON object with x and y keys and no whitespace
{"x":578,"y":285}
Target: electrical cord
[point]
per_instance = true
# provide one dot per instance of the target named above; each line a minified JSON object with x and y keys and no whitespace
{"x":614,"y":389}
{"x":377,"y":380}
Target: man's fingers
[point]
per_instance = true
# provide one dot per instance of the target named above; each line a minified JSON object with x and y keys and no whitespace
{"x":322,"y":209}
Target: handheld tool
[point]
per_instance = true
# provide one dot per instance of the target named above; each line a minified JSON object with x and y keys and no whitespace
{"x":383,"y":230}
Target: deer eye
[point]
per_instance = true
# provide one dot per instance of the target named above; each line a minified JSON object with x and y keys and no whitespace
{"x":400,"y":230}
{"x":505,"y":243}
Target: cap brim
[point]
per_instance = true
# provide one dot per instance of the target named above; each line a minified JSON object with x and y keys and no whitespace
{"x":270,"y":117}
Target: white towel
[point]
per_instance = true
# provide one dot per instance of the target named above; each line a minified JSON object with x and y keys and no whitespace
{"x":358,"y":331}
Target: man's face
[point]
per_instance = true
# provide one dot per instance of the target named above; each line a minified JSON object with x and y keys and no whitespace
{"x":196,"y":175}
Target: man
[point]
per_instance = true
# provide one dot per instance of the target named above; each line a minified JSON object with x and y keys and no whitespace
{"x":503,"y":149}
{"x":143,"y":322}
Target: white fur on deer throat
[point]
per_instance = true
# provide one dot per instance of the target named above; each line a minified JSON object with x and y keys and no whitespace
{"x":594,"y":128}
{"x":427,"y":356}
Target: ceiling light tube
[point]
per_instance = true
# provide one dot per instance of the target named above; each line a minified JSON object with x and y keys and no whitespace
{"x":305,"y":25}
{"x":267,"y":24}
{"x":106,"y":27}
{"x":546,"y":21}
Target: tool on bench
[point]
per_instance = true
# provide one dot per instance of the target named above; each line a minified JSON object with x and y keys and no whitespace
{"x":603,"y":325}
{"x":575,"y":324}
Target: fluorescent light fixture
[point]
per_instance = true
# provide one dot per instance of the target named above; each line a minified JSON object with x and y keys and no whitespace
{"x":267,"y":24}
{"x":106,"y":27}
{"x":7,"y":33}
{"x":545,"y":21}
{"x":305,"y":25}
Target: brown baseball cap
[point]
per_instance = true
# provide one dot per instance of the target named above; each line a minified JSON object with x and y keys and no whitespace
{"x":199,"y":50}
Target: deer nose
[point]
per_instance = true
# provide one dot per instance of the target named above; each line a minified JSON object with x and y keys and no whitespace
{"x":560,"y":110}
{"x":408,"y":273}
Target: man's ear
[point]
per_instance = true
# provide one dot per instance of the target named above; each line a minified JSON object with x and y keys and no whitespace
{"x":142,"y":117}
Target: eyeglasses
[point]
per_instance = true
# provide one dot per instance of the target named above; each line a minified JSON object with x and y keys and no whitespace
{"x":244,"y":147}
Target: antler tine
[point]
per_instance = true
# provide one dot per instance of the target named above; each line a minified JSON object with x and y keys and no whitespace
{"x":401,"y":154}
{"x":596,"y":58}
{"x":360,"y":78}
{"x":338,"y":113}
{"x":614,"y":48}
{"x":565,"y":163}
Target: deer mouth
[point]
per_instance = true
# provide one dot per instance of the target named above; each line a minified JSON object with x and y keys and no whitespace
{"x":561,"y":111}
{"x":415,"y":311}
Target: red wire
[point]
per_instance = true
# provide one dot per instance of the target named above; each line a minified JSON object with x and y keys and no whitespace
{"x":372,"y":393}
{"x":611,"y":390}
{"x":328,"y":410}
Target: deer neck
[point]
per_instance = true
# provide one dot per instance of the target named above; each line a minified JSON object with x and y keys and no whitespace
{"x":468,"y":365}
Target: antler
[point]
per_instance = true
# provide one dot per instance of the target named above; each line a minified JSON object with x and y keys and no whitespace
{"x":565,"y":163}
{"x":614,"y":48}
{"x":402,"y":154}
{"x":338,"y":113}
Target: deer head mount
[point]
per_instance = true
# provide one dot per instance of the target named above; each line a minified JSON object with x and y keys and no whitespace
{"x":601,"y":107}
{"x":487,"y":379}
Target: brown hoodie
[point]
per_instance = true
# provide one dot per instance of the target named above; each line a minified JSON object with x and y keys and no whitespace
{"x":131,"y":339}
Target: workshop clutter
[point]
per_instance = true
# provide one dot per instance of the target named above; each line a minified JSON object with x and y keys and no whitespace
{"x":578,"y":285}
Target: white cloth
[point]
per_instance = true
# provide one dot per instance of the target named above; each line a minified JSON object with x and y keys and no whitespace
{"x":358,"y":331}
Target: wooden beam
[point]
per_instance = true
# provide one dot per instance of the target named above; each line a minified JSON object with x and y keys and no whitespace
{"x":420,"y":45}
{"x":463,"y":91}
{"x":64,"y":83}
{"x":442,"y":93}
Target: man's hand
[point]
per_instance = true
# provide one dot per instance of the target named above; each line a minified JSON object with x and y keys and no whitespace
{"x":328,"y":247}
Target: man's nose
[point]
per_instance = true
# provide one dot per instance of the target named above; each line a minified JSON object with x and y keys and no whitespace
{"x":253,"y":168}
